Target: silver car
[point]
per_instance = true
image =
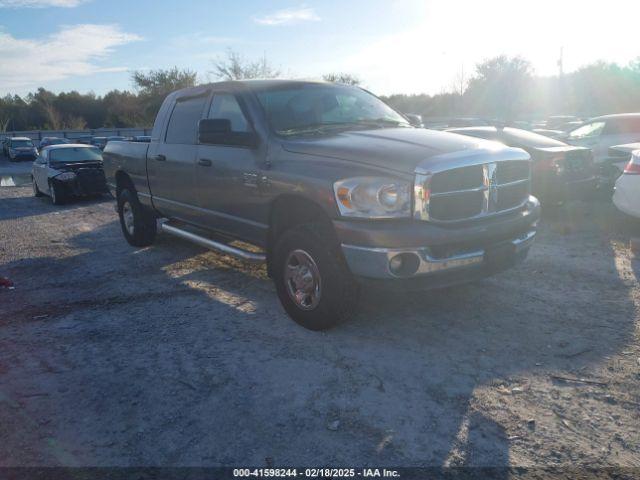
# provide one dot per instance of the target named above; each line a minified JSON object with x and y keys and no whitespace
{"x":66,"y":170}
{"x":600,"y":133}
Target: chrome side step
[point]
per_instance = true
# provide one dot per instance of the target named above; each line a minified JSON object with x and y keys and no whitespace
{"x":212,"y":244}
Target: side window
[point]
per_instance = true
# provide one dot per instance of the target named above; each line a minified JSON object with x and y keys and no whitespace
{"x":622,"y":125}
{"x":225,"y":105}
{"x":183,"y":123}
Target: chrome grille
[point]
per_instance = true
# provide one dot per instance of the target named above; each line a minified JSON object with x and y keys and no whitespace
{"x":472,"y":191}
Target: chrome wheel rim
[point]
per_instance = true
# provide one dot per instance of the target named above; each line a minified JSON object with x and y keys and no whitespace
{"x":127,"y":216}
{"x":302,"y":279}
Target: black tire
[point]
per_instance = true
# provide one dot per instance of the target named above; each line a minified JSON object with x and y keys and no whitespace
{"x":36,"y":190}
{"x":338,"y":292}
{"x":56,"y":194}
{"x":137,"y":223}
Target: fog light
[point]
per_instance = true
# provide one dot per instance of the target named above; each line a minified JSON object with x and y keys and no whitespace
{"x":404,"y":264}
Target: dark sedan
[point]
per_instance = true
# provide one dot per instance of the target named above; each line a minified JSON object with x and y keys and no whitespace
{"x":21,"y":148}
{"x":48,"y":141}
{"x":560,"y":172}
{"x":63,"y":171}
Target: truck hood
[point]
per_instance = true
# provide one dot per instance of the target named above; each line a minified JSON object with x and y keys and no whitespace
{"x":400,"y":149}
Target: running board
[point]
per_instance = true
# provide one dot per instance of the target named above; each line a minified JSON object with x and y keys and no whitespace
{"x":212,"y":244}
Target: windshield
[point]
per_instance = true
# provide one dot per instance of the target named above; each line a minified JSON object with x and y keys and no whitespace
{"x":21,"y":143}
{"x":299,"y":108}
{"x":589,"y":130}
{"x":77,"y":154}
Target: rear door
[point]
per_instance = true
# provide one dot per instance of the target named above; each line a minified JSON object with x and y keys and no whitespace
{"x":228,"y":178}
{"x":171,"y":160}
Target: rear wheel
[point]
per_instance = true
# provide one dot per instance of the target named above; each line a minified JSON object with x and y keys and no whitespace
{"x":313,"y":282}
{"x":138,"y":224}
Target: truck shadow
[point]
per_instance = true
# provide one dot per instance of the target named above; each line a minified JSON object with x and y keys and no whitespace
{"x":171,"y":355}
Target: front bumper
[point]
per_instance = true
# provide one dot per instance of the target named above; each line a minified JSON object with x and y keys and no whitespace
{"x":432,"y":250}
{"x":19,"y":157}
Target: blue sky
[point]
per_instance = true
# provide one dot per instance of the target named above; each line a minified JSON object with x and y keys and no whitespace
{"x":402,"y":46}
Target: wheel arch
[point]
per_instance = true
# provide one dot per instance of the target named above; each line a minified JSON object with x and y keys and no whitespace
{"x":288,"y":211}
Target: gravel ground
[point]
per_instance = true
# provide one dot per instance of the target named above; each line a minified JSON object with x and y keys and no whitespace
{"x":173,"y":355}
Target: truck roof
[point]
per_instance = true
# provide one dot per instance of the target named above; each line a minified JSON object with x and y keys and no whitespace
{"x":258,"y":84}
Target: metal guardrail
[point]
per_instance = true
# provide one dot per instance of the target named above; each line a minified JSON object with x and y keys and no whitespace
{"x":71,"y":134}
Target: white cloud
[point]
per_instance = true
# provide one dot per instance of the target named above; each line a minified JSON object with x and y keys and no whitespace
{"x":40,"y":3}
{"x":288,"y":16}
{"x":72,"y":51}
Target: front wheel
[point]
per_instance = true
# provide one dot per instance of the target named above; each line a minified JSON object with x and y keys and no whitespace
{"x":138,"y":225}
{"x":36,"y":190}
{"x":56,"y":194}
{"x":313,"y":282}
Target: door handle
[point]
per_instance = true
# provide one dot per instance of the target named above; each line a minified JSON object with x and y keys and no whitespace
{"x":160,"y":158}
{"x":205,"y":162}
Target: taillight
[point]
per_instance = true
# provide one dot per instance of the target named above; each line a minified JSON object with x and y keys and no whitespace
{"x":551,"y":163}
{"x":633,"y":167}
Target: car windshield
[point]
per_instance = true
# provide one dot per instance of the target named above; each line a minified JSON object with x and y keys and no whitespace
{"x":317,"y":107}
{"x":76,"y":154}
{"x":589,"y":130}
{"x":21,"y":143}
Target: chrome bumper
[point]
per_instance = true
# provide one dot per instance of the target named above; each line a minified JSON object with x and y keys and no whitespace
{"x":375,"y":262}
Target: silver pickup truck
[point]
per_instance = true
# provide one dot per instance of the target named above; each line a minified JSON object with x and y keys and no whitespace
{"x":334,"y":188}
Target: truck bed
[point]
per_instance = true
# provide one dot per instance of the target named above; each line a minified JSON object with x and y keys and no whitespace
{"x":130,"y":157}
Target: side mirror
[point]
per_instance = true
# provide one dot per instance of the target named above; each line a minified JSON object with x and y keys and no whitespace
{"x":217,"y":131}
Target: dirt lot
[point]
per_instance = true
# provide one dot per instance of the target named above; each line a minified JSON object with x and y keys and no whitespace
{"x":172,"y":355}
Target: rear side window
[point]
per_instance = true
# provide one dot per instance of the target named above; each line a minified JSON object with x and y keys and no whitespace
{"x":184,"y":120}
{"x":620,"y":126}
{"x":225,"y":105}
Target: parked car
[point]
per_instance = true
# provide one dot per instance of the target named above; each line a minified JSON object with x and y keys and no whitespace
{"x":141,"y":138}
{"x":626,"y":196}
{"x":83,"y":139}
{"x":47,"y":141}
{"x":556,"y":122}
{"x":467,"y":122}
{"x":99,"y":142}
{"x":4,"y":142}
{"x":21,"y":148}
{"x":600,"y":133}
{"x":332,"y":186}
{"x":560,"y":171}
{"x":414,"y":119}
{"x":67,"y":170}
{"x":556,"y":134}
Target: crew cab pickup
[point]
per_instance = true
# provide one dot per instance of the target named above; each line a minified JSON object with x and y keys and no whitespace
{"x":333,"y":188}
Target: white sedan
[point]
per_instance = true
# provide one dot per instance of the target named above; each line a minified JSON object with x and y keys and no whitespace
{"x":627,"y":193}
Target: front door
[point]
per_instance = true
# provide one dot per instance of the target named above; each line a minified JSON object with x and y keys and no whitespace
{"x":228,"y":178}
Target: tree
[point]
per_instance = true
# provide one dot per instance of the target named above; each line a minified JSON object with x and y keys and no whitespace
{"x":236,"y":67}
{"x":155,"y":85}
{"x":341,"y":77}
{"x":500,"y":87}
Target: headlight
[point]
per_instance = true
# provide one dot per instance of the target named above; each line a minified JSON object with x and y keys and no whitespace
{"x":66,"y":176}
{"x":373,"y":197}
